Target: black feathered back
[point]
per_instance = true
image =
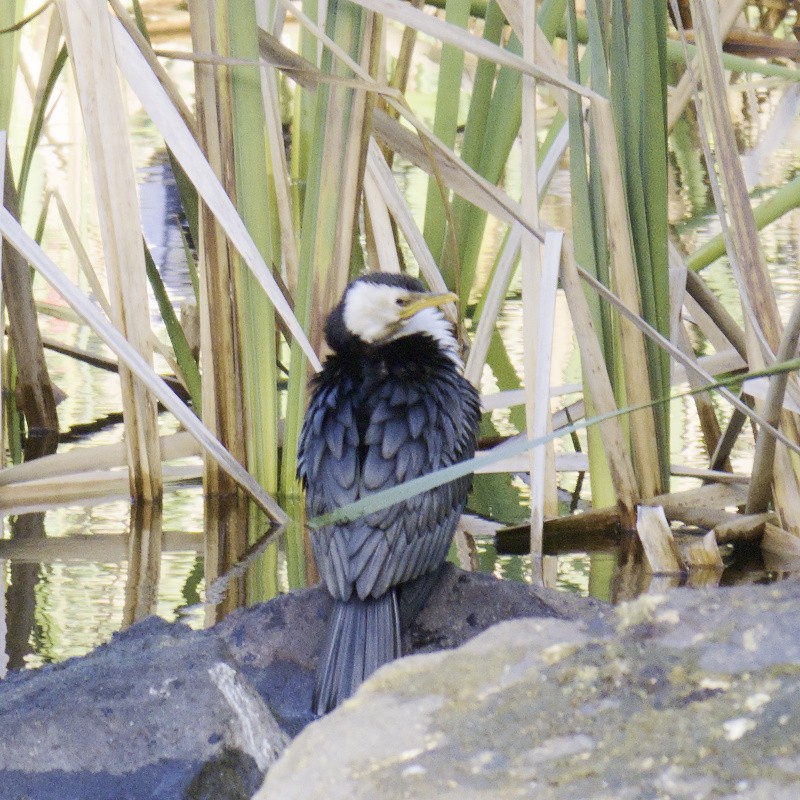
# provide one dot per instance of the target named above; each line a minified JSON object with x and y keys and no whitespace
{"x":399,"y":411}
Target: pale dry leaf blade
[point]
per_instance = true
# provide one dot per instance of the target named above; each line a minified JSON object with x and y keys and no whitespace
{"x":381,"y":224}
{"x":86,"y":459}
{"x":398,"y":208}
{"x":538,"y":394}
{"x":20,"y":240}
{"x":183,"y":145}
{"x":80,"y":487}
{"x":458,"y":37}
{"x":492,"y":303}
{"x":455,"y":173}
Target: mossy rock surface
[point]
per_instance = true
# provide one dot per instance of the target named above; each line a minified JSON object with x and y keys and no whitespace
{"x":692,"y":694}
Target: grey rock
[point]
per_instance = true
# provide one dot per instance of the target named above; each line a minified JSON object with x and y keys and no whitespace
{"x":276,"y":644}
{"x":694,"y":694}
{"x":463,"y":604}
{"x":143,"y":716}
{"x":166,"y":712}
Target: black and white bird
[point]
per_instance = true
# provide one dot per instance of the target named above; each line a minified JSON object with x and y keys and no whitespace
{"x":389,"y":405}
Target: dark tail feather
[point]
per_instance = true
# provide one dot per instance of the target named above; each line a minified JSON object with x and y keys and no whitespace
{"x":362,"y":636}
{"x":414,"y":595}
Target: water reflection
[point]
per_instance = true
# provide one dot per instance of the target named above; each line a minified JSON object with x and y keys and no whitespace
{"x":228,"y":588}
{"x":162,"y":216}
{"x":21,"y":594}
{"x":226,"y":542}
{"x":144,"y":563}
{"x":75,"y":575}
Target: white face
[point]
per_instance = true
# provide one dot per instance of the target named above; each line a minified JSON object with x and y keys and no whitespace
{"x":374,"y":312}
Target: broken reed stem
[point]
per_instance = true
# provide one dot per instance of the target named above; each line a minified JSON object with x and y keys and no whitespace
{"x":33,"y":385}
{"x":759,"y":494}
{"x":657,"y":540}
{"x":720,"y":316}
{"x":621,"y":256}
{"x":89,"y":41}
{"x":619,"y":463}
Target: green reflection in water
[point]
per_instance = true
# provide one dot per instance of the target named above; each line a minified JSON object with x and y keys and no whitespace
{"x":191,"y":588}
{"x":572,"y":570}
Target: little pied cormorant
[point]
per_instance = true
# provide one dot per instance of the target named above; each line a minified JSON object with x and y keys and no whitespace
{"x":390,"y":404}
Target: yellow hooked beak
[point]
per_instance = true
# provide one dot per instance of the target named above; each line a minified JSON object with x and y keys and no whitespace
{"x":420,"y":300}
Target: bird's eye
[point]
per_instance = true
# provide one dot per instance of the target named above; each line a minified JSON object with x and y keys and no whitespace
{"x":402,"y":301}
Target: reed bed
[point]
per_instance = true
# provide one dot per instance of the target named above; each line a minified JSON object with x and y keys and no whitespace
{"x":285,"y":157}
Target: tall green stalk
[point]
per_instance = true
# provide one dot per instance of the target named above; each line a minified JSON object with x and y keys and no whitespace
{"x":487,"y":149}
{"x":445,"y":124}
{"x":304,"y":114}
{"x":640,"y":79}
{"x":626,"y":46}
{"x":10,"y":12}
{"x":588,"y":229}
{"x":333,"y":179}
{"x":255,"y":202}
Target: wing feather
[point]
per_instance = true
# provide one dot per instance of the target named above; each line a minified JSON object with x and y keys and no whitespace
{"x":365,"y":435}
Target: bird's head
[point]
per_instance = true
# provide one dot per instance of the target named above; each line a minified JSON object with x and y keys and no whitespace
{"x":382,"y":307}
